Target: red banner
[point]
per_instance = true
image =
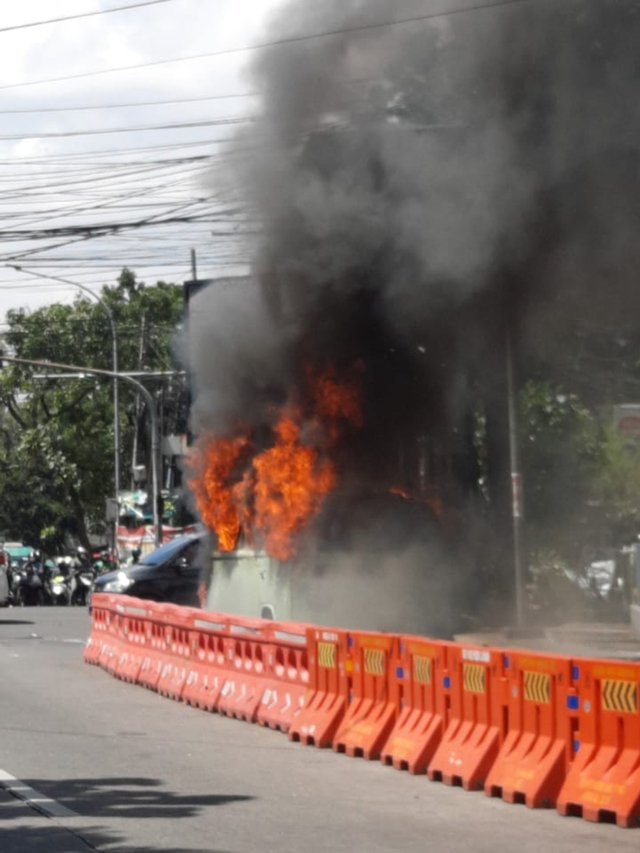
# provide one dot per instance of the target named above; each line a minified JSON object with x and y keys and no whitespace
{"x":145,"y":537}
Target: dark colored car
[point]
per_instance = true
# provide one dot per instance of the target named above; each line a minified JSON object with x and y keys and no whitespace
{"x":169,"y":574}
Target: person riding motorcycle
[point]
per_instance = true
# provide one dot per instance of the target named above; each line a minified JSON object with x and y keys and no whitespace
{"x":81,"y":559}
{"x":28,"y":583}
{"x":35,"y":563}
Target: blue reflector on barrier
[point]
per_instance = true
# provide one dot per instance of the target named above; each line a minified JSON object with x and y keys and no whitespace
{"x":576,"y":746}
{"x":573,"y":703}
{"x":507,"y":662}
{"x":447,"y":682}
{"x":399,"y":672}
{"x":575,"y":673}
{"x":350,"y":642}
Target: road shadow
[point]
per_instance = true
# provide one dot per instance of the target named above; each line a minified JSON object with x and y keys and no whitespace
{"x":15,"y":622}
{"x":46,"y":837}
{"x":129,"y":797}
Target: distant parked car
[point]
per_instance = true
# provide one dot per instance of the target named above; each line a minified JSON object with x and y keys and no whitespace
{"x":168,"y":574}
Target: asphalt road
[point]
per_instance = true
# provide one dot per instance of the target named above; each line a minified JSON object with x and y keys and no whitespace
{"x":126,"y":771}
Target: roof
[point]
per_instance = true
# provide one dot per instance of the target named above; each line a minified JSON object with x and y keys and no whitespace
{"x":18,"y":551}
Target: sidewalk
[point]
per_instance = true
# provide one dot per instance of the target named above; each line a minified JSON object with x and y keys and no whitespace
{"x":575,"y":639}
{"x":24,"y":830}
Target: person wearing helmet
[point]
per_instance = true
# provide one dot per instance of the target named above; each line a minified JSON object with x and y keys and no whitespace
{"x":35,"y":561}
{"x":81,"y":560}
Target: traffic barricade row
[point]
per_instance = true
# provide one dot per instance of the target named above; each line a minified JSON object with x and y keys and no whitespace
{"x":542,"y":730}
{"x":252,"y":669}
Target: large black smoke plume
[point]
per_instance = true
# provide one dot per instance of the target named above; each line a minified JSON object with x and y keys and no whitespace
{"x":421,"y":186}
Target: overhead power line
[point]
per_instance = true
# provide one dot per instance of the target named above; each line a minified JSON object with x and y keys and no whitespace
{"x":138,"y":129}
{"x":83,"y":155}
{"x":82,"y":15}
{"x":276,"y":42}
{"x":32,"y":110}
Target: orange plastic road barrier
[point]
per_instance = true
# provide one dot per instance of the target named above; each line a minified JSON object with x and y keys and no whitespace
{"x":288,"y":676}
{"x":535,"y":756}
{"x":375,"y":702}
{"x":99,"y":630}
{"x":422,"y":721}
{"x":329,"y":685}
{"x":173,"y":674}
{"x":133,"y":633}
{"x":246,"y":652}
{"x":475,"y":695}
{"x":207,"y":669}
{"x":156,"y":650}
{"x":112,"y":643}
{"x":603,"y":783}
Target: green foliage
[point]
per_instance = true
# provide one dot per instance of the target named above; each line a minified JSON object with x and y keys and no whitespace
{"x":58,"y":435}
{"x":582,"y":481}
{"x":559,"y":440}
{"x":617,"y":484}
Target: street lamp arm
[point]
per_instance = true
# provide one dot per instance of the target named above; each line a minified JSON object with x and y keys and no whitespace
{"x":77,"y":284}
{"x":111,"y":374}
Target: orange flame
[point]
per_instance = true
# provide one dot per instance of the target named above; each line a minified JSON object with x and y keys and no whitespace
{"x":214,"y":496}
{"x":291,"y":484}
{"x":273,"y":497}
{"x":333,"y":402}
{"x":399,"y":493}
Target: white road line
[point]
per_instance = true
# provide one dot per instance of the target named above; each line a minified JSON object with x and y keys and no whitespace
{"x":39,"y":801}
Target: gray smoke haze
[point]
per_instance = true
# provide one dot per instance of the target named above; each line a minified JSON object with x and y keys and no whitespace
{"x":414,"y":166}
{"x":416,"y":184}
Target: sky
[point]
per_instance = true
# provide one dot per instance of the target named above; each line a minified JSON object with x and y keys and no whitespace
{"x":94,"y":151}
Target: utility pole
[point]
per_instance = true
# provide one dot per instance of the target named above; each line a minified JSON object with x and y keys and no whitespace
{"x":194,"y":270}
{"x":155,"y":436}
{"x":516,"y":482}
{"x":134,"y":450}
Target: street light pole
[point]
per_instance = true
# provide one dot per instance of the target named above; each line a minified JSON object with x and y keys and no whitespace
{"x":116,"y":401}
{"x":516,"y":483}
{"x":155,"y":437}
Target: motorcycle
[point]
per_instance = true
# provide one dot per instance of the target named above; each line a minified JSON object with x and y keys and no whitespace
{"x":81,"y":581}
{"x":27,"y":587}
{"x":58,"y":582}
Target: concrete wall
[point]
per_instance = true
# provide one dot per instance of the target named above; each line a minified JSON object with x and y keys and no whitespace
{"x":360,"y":593}
{"x":245,"y":583}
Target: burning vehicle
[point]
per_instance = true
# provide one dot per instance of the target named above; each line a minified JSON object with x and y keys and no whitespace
{"x":417,"y":193}
{"x":314,"y":510}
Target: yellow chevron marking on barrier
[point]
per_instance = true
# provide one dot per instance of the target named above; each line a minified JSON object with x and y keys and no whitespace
{"x":422,"y":669}
{"x":474,"y":678}
{"x":537,"y":688}
{"x":620,"y":696}
{"x":327,"y":655}
{"x":374,"y":662}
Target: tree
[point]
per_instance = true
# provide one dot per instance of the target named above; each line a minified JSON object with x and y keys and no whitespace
{"x":58,"y":435}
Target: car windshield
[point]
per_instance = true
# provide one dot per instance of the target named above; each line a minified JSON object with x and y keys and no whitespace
{"x":167,"y":552}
